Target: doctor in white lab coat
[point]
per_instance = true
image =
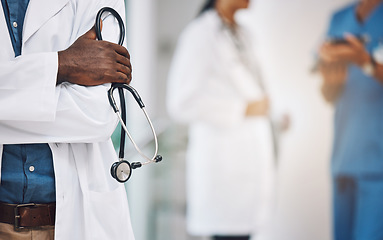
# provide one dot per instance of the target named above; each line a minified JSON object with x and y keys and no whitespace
{"x":215,"y":89}
{"x":77,"y":121}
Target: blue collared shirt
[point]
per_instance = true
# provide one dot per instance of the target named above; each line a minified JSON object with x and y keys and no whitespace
{"x":14,"y":11}
{"x":27,"y":169}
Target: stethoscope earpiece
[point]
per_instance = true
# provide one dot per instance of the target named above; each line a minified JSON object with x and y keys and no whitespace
{"x":158,"y":158}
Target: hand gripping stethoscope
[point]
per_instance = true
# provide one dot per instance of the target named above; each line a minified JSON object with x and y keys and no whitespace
{"x":122,"y":170}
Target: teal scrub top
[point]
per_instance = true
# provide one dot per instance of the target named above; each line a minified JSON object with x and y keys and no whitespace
{"x":358,"y":132}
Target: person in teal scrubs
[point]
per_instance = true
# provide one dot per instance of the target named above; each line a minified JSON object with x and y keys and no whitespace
{"x":353,"y":82}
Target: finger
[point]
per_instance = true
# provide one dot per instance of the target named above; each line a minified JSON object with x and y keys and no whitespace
{"x":329,"y":72}
{"x":124,"y":69}
{"x":123,"y":78}
{"x":326,"y":52}
{"x":337,"y":70}
{"x":338,"y":73}
{"x":353,"y":41}
{"x":121,"y":50}
{"x":344,"y":52}
{"x":124,"y":61}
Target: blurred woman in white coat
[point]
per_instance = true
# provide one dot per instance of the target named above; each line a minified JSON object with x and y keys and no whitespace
{"x":214,"y":87}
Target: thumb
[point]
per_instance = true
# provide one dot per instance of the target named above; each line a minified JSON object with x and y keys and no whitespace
{"x":355,"y":42}
{"x":91,"y":34}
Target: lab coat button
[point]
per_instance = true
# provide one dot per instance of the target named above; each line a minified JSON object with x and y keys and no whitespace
{"x":31,"y":168}
{"x":15,"y":24}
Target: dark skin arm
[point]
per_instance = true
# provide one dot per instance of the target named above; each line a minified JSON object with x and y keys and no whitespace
{"x":89,"y":62}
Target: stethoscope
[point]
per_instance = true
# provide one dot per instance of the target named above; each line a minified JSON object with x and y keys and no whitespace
{"x":122,"y":170}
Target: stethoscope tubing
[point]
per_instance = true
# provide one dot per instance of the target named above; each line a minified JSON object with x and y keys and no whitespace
{"x":123,"y":125}
{"x":119,"y":19}
{"x":122,"y":114}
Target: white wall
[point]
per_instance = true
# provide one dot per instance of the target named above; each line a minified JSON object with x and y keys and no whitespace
{"x":288,"y":34}
{"x":141,"y":41}
{"x":155,"y":192}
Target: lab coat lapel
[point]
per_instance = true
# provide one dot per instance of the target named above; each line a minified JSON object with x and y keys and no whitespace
{"x":38,"y":13}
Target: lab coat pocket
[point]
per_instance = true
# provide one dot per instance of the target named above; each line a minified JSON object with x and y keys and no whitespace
{"x":107,"y":210}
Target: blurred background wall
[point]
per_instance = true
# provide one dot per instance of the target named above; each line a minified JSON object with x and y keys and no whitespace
{"x":288,"y":34}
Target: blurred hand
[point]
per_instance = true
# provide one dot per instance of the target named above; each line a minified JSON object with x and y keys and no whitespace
{"x":258,"y":108}
{"x":353,"y":51}
{"x":90,"y":62}
{"x":284,"y":123}
{"x":334,"y":76}
{"x":333,"y":72}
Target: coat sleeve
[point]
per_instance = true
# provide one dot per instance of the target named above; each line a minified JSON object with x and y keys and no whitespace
{"x":34,"y":110}
{"x":197,"y":90}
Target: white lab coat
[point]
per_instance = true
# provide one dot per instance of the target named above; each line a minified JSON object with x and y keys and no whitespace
{"x":230,"y":163}
{"x":76,"y":121}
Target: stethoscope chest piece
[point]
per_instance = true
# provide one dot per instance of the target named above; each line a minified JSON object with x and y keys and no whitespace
{"x":121,"y":171}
